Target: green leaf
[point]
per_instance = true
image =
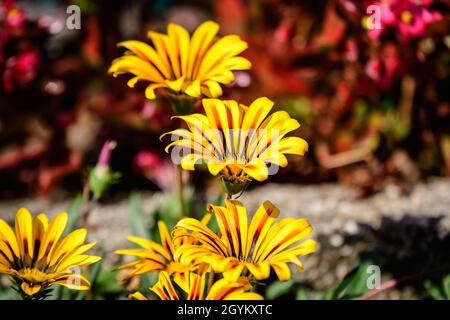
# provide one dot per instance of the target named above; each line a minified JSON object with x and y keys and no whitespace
{"x":137,"y":222}
{"x":361,"y":112}
{"x":353,"y":285}
{"x":74,"y":212}
{"x":319,"y":296}
{"x":147,"y":281}
{"x":106,"y":285}
{"x":302,"y":295}
{"x":170,"y":211}
{"x":433,"y":291}
{"x":279,"y":288}
{"x":446,"y":286}
{"x":438,"y":291}
{"x":154,"y":230}
{"x":8,"y":294}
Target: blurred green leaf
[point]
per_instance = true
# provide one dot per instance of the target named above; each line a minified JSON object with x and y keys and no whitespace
{"x":319,"y":296}
{"x":7,"y":293}
{"x":361,"y":112}
{"x":147,"y":281}
{"x":302,"y":295}
{"x":353,"y":285}
{"x":446,"y":286}
{"x":170,"y":211}
{"x":433,"y":291}
{"x":137,"y":222}
{"x":387,"y":104}
{"x":279,"y":288}
{"x":106,"y":285}
{"x":299,"y":108}
{"x":74,"y":212}
{"x":438,"y":291}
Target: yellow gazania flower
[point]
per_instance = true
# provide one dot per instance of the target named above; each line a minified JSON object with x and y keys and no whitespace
{"x":36,"y":256}
{"x":237,"y":142}
{"x":195,"y":288}
{"x":193,"y":66}
{"x":154,"y":257}
{"x":243,"y":249}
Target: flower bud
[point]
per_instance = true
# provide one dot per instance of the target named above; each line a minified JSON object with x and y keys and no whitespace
{"x":101,"y":177}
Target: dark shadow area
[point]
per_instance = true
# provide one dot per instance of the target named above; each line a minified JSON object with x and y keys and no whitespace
{"x":411,"y":246}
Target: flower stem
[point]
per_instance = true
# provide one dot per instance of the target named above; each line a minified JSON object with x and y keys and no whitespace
{"x":181,"y":192}
{"x":85,"y":210}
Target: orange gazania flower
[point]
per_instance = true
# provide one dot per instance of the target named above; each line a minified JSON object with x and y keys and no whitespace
{"x":237,"y":142}
{"x":186,"y":66}
{"x":194,"y":287}
{"x":36,"y":256}
{"x":243,"y":249}
{"x":155,"y":257}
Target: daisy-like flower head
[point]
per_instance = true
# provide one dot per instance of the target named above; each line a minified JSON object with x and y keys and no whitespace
{"x":36,"y":256}
{"x":247,"y":250}
{"x":155,"y":257}
{"x":194,"y":287}
{"x":237,"y":142}
{"x":186,"y":66}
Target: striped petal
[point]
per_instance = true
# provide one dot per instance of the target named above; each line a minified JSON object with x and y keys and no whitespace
{"x":146,"y":52}
{"x":74,"y":282}
{"x":9,"y":238}
{"x":200,"y":42}
{"x":164,"y":288}
{"x":52,"y":235}
{"x":259,"y":270}
{"x":24,"y":232}
{"x":67,"y":244}
{"x":203,"y":234}
{"x":261,"y":222}
{"x":165,"y":237}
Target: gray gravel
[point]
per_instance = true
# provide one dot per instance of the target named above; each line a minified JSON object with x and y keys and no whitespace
{"x":331,"y":207}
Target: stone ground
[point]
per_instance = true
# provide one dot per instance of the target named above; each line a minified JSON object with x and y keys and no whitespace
{"x":408,"y":232}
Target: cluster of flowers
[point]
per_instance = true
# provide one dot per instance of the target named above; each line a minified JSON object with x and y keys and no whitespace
{"x":409,"y":18}
{"x":18,"y":69}
{"x":192,"y":260}
{"x":408,"y":21}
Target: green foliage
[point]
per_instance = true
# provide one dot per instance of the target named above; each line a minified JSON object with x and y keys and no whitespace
{"x":279,"y":288}
{"x":182,"y":105}
{"x":7,"y":293}
{"x":361,"y":113}
{"x":73,"y":212}
{"x":303,"y":295}
{"x":106,"y":285}
{"x":298,"y":107}
{"x":353,"y":285}
{"x":170,"y":211}
{"x":137,"y":222}
{"x":438,"y":292}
